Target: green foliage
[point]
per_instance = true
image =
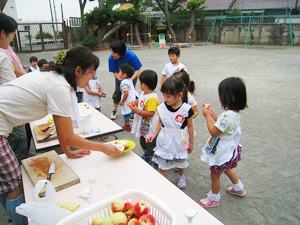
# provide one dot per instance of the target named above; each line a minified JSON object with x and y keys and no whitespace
{"x":179,"y":18}
{"x":45,"y":35}
{"x":90,"y":41}
{"x":235,"y":12}
{"x":195,"y":3}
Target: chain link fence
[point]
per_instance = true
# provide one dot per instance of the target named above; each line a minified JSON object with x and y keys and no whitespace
{"x":34,"y":37}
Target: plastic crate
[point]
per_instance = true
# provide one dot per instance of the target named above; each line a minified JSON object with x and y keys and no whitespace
{"x":161,"y":212}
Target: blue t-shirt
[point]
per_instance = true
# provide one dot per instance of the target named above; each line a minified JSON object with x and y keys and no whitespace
{"x":130,"y":57}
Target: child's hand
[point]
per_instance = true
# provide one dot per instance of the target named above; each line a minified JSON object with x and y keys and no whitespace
{"x":150,"y":138}
{"x":121,"y":103}
{"x":102,"y":94}
{"x":206,"y":110}
{"x":191,"y":148}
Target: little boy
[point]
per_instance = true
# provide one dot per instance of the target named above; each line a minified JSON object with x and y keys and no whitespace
{"x":145,"y":109}
{"x":129,"y":94}
{"x":33,"y":62}
{"x":173,"y":66}
{"x":43,"y":63}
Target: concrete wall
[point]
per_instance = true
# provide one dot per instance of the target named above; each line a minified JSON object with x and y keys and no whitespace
{"x":262,"y":34}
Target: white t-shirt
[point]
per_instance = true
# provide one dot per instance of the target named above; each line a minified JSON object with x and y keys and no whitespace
{"x":170,"y":69}
{"x":127,"y":85}
{"x":7,"y":70}
{"x":31,"y":97}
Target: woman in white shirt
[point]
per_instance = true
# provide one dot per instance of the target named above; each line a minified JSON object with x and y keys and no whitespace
{"x":32,"y":97}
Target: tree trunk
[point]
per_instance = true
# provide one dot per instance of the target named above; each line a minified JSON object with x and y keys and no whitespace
{"x":82,"y":5}
{"x":191,"y":26}
{"x":166,"y":11}
{"x":102,"y":27}
{"x":136,"y":33}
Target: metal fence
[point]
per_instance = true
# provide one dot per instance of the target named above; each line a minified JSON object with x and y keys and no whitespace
{"x":34,"y":37}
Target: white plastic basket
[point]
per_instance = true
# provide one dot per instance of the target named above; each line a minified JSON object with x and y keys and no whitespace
{"x":161,"y":212}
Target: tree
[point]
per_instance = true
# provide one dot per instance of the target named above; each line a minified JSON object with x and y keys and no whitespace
{"x":82,"y":4}
{"x":168,"y":8}
{"x":104,"y":15}
{"x":192,"y":5}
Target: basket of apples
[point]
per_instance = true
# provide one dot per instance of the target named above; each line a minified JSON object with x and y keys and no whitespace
{"x":132,"y":207}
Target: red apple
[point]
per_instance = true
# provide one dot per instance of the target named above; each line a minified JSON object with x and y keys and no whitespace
{"x":97,"y":221}
{"x":118,"y":217}
{"x":128,"y":209}
{"x":133,"y":221}
{"x":117,"y":205}
{"x":141,"y":208}
{"x":147,"y":219}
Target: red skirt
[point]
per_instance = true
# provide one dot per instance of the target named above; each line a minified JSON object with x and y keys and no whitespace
{"x":232,"y":163}
{"x":10,"y":171}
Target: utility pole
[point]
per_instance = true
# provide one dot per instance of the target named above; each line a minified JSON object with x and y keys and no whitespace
{"x":52,"y":20}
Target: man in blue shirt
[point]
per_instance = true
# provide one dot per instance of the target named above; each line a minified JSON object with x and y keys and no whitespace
{"x":120,"y":55}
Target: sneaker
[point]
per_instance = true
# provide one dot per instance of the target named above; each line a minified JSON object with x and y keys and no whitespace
{"x":113,"y":115}
{"x":127,"y":128}
{"x":206,"y":202}
{"x":146,"y":158}
{"x":181,"y":182}
{"x":231,"y":191}
{"x":154,"y":165}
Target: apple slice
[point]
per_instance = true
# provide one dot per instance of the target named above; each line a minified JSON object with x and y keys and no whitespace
{"x":120,"y":147}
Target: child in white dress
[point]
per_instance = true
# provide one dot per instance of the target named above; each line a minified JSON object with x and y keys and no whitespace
{"x":174,"y":130}
{"x":190,"y":85}
{"x":129,"y":93}
{"x":93,"y":93}
{"x":145,"y":110}
{"x":223,"y":150}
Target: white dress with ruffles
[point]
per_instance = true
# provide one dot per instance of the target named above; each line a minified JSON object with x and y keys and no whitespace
{"x":227,"y":144}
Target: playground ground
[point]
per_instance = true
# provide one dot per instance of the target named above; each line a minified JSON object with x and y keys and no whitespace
{"x":270,"y":159}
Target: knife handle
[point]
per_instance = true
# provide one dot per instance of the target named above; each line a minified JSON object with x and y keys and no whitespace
{"x":49,"y":176}
{"x":45,"y":129}
{"x":45,"y":138}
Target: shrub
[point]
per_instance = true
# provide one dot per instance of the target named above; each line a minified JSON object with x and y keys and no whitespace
{"x":45,"y":35}
{"x":90,"y":41}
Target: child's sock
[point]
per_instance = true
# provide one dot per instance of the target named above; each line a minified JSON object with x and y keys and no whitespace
{"x":238,"y":187}
{"x":214,"y":197}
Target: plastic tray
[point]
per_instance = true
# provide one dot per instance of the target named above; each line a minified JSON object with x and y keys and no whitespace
{"x":161,"y":212}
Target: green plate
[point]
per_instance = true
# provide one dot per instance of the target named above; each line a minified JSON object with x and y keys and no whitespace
{"x":130,"y":142}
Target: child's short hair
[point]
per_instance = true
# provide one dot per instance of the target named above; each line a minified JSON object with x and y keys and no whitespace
{"x":232,"y":93}
{"x":174,"y":50}
{"x":119,"y":47}
{"x":128,"y":69}
{"x":33,"y":59}
{"x":185,"y":77}
{"x":41,"y":62}
{"x":173,"y":85}
{"x":149,"y":77}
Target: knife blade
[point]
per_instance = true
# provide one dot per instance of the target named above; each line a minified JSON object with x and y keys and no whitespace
{"x":51,"y":133}
{"x":51,"y":171}
{"x":51,"y":125}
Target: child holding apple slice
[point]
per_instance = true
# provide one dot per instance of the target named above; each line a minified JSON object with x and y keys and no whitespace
{"x":174,"y":130}
{"x":145,"y":113}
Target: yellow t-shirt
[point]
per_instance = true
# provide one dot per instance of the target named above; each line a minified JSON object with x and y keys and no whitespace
{"x":151,"y":105}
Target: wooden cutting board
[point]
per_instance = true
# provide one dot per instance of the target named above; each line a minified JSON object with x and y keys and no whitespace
{"x":37,"y":168}
{"x":40,"y":134}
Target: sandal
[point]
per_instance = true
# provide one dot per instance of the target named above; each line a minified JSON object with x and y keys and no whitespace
{"x":181,"y":182}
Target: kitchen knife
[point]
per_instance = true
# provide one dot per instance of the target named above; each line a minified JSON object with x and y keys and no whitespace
{"x":51,"y":125}
{"x":51,"y":171}
{"x":51,"y":133}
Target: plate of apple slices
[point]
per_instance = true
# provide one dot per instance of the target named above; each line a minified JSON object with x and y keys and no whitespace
{"x":123,"y":145}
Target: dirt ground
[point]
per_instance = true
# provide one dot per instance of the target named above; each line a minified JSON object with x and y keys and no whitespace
{"x":269,"y":167}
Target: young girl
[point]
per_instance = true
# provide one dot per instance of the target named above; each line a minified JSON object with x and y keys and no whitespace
{"x":93,"y":93}
{"x":222,"y":150}
{"x":175,"y":130}
{"x":190,"y":85}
